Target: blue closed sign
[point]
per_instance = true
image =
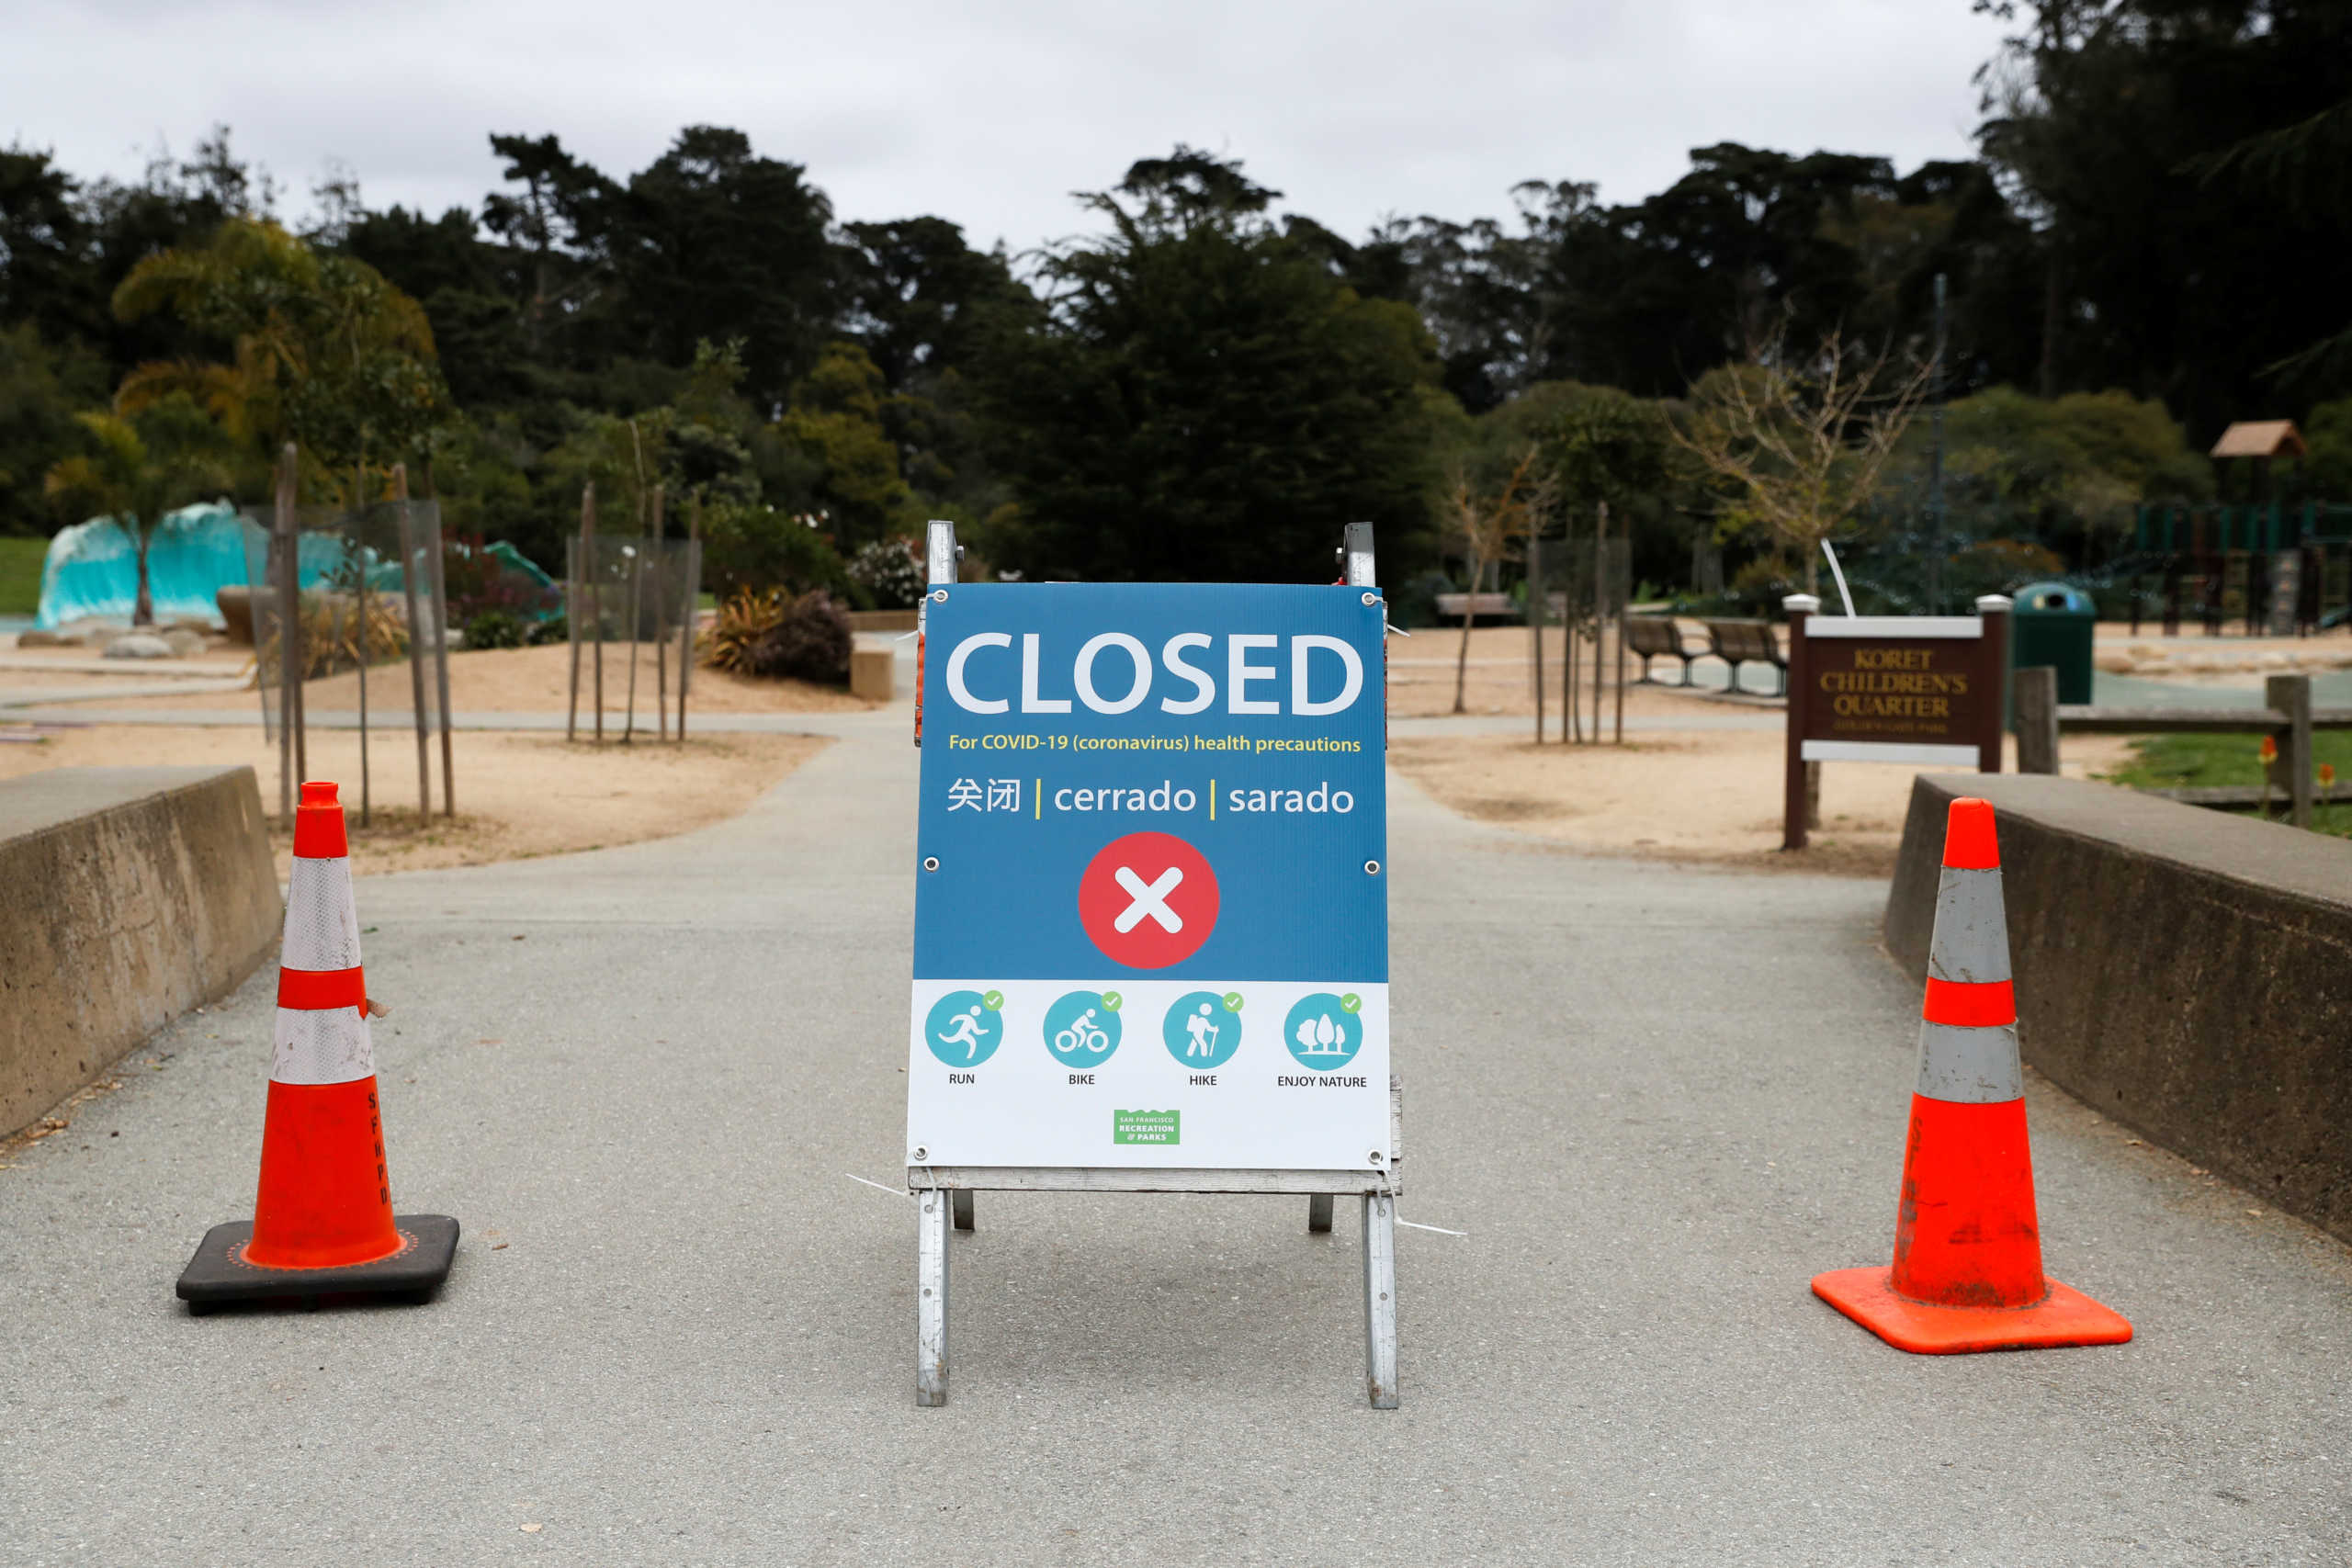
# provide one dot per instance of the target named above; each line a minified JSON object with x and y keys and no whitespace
{"x":1159,"y":806}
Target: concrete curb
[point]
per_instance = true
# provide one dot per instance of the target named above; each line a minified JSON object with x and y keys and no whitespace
{"x":135,"y":895}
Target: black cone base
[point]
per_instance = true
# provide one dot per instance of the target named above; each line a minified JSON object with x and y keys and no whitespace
{"x":219,"y":1276}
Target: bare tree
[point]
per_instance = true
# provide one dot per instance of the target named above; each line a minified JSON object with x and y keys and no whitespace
{"x":1481,"y":527}
{"x":1798,"y":443}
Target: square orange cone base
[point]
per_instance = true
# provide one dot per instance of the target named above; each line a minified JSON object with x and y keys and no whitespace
{"x":2066,"y":1316}
{"x":219,"y":1276}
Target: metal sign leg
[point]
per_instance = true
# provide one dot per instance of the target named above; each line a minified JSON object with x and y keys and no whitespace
{"x":1319,"y":1214}
{"x":1379,"y":1299}
{"x":963,"y":1209}
{"x":930,"y":1297}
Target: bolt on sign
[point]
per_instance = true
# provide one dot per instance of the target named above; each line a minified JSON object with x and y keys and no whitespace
{"x":1922,"y":690}
{"x":1151,"y":917}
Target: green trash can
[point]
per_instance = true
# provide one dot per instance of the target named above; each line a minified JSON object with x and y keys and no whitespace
{"x":2053,"y":624}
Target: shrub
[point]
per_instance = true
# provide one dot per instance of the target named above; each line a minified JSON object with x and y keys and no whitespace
{"x":330,"y":635}
{"x":496,"y":629}
{"x":760,"y":548}
{"x":772,"y":633}
{"x":891,"y":571}
{"x":555,"y":628}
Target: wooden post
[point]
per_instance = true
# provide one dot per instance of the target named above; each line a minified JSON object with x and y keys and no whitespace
{"x":1600,"y":606}
{"x":661,"y":626}
{"x":636,"y":597}
{"x":593,"y":570}
{"x":1571,"y":723}
{"x":290,"y":657}
{"x":2291,"y":695}
{"x":1792,"y":790}
{"x":2034,"y":696}
{"x":1535,"y":626}
{"x":1622,"y":608}
{"x":1992,"y":678}
{"x":359,"y":601}
{"x":578,"y":577}
{"x":441,"y":657}
{"x":415,"y":644}
{"x":689,"y":592}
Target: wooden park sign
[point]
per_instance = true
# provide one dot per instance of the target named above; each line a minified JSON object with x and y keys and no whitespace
{"x":1925,"y":690}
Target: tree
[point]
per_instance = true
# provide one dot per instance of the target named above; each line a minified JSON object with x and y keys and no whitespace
{"x":2137,"y":135}
{"x":836,"y":420}
{"x":1481,"y":527}
{"x":917,"y":295}
{"x":711,"y":242}
{"x":1204,"y":399}
{"x":138,"y":468}
{"x":325,"y":352}
{"x":1796,"y":444}
{"x":41,"y":388}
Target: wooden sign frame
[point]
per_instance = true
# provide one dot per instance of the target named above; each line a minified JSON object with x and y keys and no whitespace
{"x":1926,"y":665}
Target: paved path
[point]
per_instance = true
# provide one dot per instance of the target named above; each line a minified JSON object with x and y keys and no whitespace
{"x":1658,"y":1100}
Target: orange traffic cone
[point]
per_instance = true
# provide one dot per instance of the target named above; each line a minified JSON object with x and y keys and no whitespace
{"x":322,"y":1224}
{"x":1967,"y":1273}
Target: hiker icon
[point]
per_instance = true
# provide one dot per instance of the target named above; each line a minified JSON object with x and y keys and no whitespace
{"x":1082,"y":1028}
{"x":962,"y":1030}
{"x":1322,"y":1034}
{"x":1201,"y":1032}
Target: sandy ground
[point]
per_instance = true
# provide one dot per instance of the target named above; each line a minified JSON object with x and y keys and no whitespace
{"x":518,"y":794}
{"x":537,"y":680}
{"x":1707,"y":796}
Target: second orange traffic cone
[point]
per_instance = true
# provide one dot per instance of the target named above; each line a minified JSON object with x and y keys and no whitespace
{"x":1967,"y":1271}
{"x":323,"y":1220}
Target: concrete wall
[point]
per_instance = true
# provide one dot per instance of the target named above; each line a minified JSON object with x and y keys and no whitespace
{"x":2184,"y":971}
{"x":126,"y":896}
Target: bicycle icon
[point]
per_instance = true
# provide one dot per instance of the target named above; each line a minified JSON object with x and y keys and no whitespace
{"x":1082,"y":1028}
{"x":1084,"y":1034}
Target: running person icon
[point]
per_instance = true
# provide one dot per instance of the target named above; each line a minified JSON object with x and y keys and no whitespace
{"x":965,"y":1033}
{"x":962,"y":1030}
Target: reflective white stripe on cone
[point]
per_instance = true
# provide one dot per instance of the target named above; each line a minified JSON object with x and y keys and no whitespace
{"x":322,"y":920}
{"x":321,"y":1046}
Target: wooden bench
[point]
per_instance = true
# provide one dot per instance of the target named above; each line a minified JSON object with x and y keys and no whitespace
{"x":1657,"y":637}
{"x":1452,"y":606}
{"x":1740,"y":642}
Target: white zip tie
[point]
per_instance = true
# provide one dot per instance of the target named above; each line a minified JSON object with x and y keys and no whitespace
{"x":1390,"y":1193}
{"x":894,"y":1191}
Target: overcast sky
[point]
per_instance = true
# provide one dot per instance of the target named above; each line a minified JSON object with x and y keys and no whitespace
{"x":990,"y":114}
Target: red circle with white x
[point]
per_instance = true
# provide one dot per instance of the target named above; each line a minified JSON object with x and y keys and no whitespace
{"x":1148,"y":900}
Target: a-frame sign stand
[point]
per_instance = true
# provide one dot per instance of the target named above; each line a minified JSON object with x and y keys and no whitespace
{"x":945,"y":1193}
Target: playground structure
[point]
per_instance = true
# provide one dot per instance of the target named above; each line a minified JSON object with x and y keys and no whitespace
{"x":2278,"y":570}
